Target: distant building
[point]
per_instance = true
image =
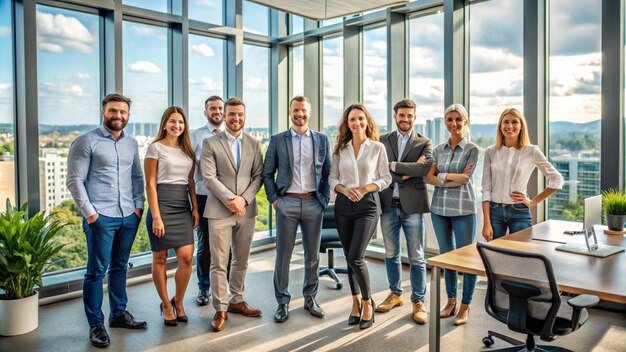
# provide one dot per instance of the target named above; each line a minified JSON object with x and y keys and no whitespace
{"x":582,"y":179}
{"x":436,"y":130}
{"x":52,"y":173}
{"x":7,"y":180}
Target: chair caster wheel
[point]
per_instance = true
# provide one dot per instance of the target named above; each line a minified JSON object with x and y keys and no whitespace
{"x":339,"y":285}
{"x":488,"y":341}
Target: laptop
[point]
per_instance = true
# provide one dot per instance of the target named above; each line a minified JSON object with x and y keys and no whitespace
{"x":592,"y":216}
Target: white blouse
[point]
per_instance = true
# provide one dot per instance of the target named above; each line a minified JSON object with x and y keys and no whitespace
{"x":173,"y":164}
{"x":370,"y":166}
{"x":508,"y":170}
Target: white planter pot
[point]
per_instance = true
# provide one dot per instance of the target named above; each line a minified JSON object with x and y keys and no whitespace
{"x":19,"y":316}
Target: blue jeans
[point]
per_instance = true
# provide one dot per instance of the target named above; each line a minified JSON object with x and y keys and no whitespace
{"x":413,"y":228}
{"x":455,"y":232}
{"x":109,"y":241}
{"x":514,"y":217}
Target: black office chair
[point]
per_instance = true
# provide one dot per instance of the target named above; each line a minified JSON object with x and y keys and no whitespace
{"x":329,"y":242}
{"x":522,"y":292}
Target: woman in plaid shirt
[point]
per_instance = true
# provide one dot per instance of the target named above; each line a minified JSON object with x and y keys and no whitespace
{"x":453,"y":208}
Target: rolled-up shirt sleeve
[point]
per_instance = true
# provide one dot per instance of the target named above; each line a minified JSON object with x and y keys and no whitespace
{"x":555,"y":179}
{"x":384,"y":177}
{"x":78,"y":163}
{"x":138,"y":184}
{"x":486,"y":183}
{"x":333,"y":179}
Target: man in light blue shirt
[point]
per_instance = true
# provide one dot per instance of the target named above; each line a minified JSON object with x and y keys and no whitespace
{"x":105,"y":179}
{"x":214,"y":112}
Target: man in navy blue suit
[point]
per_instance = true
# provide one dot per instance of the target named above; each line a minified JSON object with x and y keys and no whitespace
{"x":299,"y":193}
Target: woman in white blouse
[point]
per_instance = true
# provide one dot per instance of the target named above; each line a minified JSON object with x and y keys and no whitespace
{"x":507,"y":169}
{"x":169,"y":167}
{"x":359,"y":171}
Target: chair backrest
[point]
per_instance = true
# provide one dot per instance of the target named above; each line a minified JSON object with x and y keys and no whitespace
{"x":328,"y":221}
{"x":508,"y":270}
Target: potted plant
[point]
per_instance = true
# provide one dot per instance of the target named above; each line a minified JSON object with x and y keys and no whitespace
{"x":26,"y":247}
{"x":614,"y":207}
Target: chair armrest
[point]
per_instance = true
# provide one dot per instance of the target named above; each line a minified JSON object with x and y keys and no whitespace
{"x":579,"y":303}
{"x":583,"y":301}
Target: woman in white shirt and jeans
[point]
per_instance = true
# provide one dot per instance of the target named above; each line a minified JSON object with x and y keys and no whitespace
{"x":359,"y":171}
{"x":507,"y":168}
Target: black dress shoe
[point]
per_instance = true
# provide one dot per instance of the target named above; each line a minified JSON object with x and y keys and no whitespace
{"x":98,"y":336}
{"x":180,"y":318}
{"x":168,"y":322}
{"x":127,"y":321}
{"x":282,"y":313}
{"x":203,"y":297}
{"x":364,"y":324}
{"x":311,"y":305}
{"x":355,"y":319}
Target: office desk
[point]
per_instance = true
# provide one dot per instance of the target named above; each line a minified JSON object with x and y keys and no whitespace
{"x":575,"y":273}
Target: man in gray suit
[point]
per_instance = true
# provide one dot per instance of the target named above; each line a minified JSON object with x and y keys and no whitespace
{"x":300,"y":194}
{"x":403,"y":205}
{"x":231,"y":169}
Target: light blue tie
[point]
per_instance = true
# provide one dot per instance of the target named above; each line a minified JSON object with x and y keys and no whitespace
{"x":237,"y":153}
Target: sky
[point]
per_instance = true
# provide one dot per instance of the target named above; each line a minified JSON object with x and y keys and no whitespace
{"x":69,"y":78}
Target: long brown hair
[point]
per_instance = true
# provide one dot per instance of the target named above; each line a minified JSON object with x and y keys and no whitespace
{"x":184,"y":142}
{"x":344,"y":135}
{"x":522,"y":138}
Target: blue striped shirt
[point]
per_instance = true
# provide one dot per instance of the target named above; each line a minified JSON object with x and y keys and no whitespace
{"x":455,"y":201}
{"x":104,"y":175}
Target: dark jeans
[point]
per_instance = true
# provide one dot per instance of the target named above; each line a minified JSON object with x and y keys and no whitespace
{"x":356,"y":223}
{"x":109,"y":241}
{"x":514,"y":217}
{"x":203,"y":256}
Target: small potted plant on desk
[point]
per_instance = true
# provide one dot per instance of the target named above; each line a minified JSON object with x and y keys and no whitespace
{"x":614,"y":207}
{"x":26,"y":248}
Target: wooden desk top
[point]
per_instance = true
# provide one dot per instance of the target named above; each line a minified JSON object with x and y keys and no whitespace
{"x":575,"y":273}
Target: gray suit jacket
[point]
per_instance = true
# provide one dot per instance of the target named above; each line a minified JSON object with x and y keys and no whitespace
{"x":413,"y":194}
{"x":220,"y":175}
{"x":279,"y":156}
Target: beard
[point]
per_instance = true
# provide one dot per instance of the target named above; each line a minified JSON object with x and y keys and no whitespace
{"x":109,"y":125}
{"x":404,"y":127}
{"x":216,"y":120}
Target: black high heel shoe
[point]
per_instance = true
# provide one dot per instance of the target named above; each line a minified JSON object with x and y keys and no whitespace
{"x":171,"y":322}
{"x":353,"y":320}
{"x":180,"y":318}
{"x":364,"y":324}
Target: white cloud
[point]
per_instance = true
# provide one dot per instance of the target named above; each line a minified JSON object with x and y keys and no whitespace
{"x":484,"y":59}
{"x":203,"y":50}
{"x":207,"y":3}
{"x":82,"y":76}
{"x":380,"y":45}
{"x":48,"y":89}
{"x":255,"y":83}
{"x":57,"y":32}
{"x":4,"y":31}
{"x":144,"y":67}
{"x":148,"y":31}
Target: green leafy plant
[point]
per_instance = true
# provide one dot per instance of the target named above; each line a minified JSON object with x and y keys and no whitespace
{"x":26,"y":248}
{"x":614,"y":202}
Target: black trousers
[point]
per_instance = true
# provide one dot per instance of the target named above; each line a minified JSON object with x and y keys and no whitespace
{"x":356,"y":223}
{"x":203,"y":256}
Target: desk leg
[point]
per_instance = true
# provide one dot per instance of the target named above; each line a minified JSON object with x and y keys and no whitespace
{"x":434,"y":328}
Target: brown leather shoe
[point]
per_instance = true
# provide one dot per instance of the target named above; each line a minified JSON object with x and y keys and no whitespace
{"x":419,"y":313}
{"x":219,"y":321}
{"x":463,"y":315}
{"x":244,"y":309}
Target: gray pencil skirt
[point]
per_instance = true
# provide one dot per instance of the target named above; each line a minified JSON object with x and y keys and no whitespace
{"x":176,"y":215}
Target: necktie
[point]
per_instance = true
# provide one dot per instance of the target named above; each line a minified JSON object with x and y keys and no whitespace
{"x":237,"y":153}
{"x":216,"y":131}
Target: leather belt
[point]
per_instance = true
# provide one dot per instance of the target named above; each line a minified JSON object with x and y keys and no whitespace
{"x":301,"y":195}
{"x":396,"y":201}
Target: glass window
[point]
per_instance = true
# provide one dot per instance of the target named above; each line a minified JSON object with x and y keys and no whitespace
{"x":333,"y":85}
{"x":158,"y":5}
{"x":206,"y":75}
{"x":256,"y":98}
{"x":574,"y":116}
{"x":426,"y":82}
{"x":331,"y":21}
{"x":210,"y":11}
{"x":298,"y":70}
{"x":297,"y":24}
{"x":7,"y":113}
{"x":255,"y":18}
{"x":375,"y":75}
{"x":496,"y":71}
{"x":68,"y":68}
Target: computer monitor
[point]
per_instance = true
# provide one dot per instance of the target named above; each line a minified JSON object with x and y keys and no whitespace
{"x":593,"y":213}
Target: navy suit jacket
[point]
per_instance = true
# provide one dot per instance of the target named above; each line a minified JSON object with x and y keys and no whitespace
{"x":279,"y":156}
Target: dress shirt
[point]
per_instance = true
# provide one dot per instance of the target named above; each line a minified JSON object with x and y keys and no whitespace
{"x":370,"y":166}
{"x":235,"y":148}
{"x":460,"y":200}
{"x":197,"y":137}
{"x":303,"y":166}
{"x":508,"y":170}
{"x":402,"y":142}
{"x":104,"y":175}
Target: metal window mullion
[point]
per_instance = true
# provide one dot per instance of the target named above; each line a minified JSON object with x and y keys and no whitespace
{"x":456,"y":52}
{"x":397,"y":61}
